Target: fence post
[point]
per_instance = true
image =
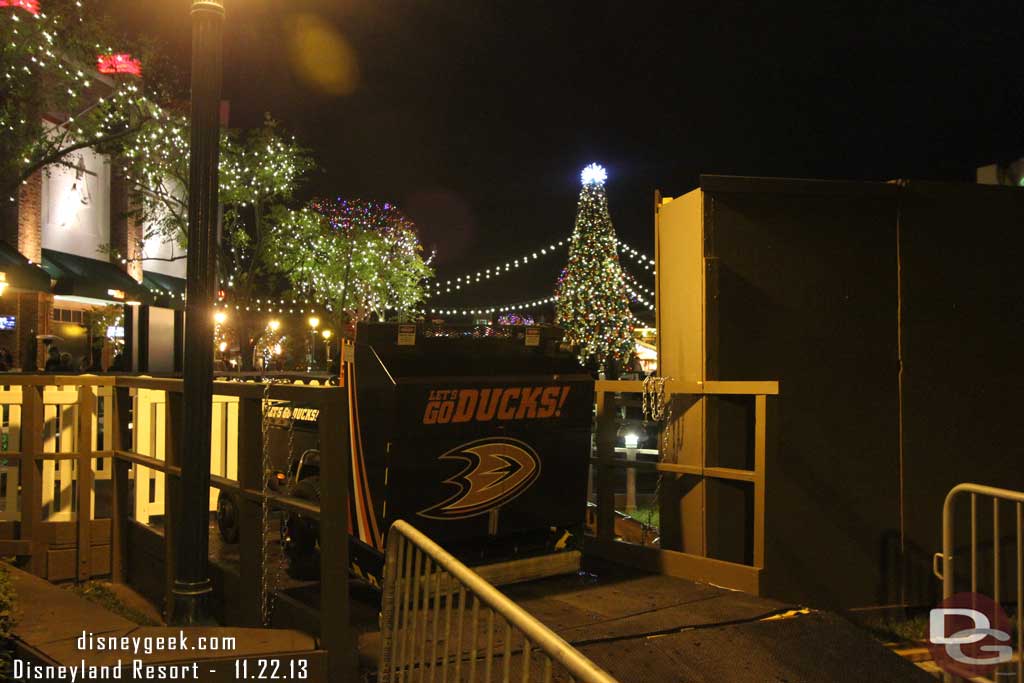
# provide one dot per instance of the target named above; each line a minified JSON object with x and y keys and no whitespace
{"x":605,"y":470}
{"x":760,"y":438}
{"x":250,"y":513}
{"x":31,"y":476}
{"x":335,"y":632}
{"x":86,"y":410}
{"x":116,"y":429}
{"x":173,"y":423}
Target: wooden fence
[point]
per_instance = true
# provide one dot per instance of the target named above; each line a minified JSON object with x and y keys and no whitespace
{"x":689,"y":464}
{"x":63,"y":433}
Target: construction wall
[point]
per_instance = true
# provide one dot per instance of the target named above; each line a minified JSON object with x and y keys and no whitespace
{"x":962,"y":330}
{"x":812,"y":283}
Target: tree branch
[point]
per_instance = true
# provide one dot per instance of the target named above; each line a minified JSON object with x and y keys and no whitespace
{"x":56,"y":156}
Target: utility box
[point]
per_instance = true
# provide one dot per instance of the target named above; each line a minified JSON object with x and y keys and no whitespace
{"x":891,"y":314}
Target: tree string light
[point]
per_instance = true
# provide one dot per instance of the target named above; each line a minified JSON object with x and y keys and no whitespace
{"x":593,"y":297}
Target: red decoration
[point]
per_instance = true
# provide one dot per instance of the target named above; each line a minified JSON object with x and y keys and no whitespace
{"x":118,"y":64}
{"x":31,"y":6}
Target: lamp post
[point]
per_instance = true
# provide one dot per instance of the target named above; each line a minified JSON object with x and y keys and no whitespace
{"x":326,"y":334}
{"x":191,"y":579}
{"x":314,"y":322}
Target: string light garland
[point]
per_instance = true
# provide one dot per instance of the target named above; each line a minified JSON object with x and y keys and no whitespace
{"x":462,"y":282}
{"x":593,"y":298}
{"x":489,"y":310}
{"x":494,"y":271}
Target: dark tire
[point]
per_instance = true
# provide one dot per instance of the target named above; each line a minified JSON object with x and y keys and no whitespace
{"x":300,"y":536}
{"x":227,"y":517}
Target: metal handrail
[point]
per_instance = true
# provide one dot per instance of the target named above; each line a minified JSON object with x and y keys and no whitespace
{"x":403,"y":540}
{"x":949,"y":542}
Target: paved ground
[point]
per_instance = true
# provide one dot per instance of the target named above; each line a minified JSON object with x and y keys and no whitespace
{"x":50,"y":621}
{"x":643,"y":628}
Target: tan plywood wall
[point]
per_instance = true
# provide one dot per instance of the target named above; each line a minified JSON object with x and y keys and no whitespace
{"x":679,"y":257}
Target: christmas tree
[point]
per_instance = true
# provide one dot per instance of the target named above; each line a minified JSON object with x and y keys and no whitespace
{"x":593,"y":306}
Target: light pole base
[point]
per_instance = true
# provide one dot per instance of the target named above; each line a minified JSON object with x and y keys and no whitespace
{"x":191,"y":606}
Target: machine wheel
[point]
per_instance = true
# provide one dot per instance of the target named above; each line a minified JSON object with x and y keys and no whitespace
{"x":227,"y":517}
{"x":300,"y":536}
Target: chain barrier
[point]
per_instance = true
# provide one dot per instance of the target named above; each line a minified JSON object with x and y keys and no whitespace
{"x":269,"y":580}
{"x":265,"y":593}
{"x":658,"y":408}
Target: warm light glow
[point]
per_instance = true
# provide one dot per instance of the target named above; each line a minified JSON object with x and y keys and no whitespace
{"x":30,"y":6}
{"x":219,"y":317}
{"x":314,"y":322}
{"x":632,"y":440}
{"x":327,"y":334}
{"x":277,"y":349}
{"x":3,"y":283}
{"x":119,"y":64}
{"x":223,"y":346}
{"x":594,"y":173}
{"x":274,"y":325}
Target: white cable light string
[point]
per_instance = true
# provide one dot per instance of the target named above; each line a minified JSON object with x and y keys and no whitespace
{"x":469,"y":279}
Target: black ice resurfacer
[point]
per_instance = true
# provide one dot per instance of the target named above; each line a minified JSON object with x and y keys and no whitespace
{"x":482,"y":441}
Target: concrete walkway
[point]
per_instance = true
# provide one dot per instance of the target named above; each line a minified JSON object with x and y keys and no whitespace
{"x":51,"y":621}
{"x":643,"y":628}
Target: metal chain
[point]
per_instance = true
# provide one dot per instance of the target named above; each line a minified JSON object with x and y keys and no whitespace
{"x":268,"y":580}
{"x":265,"y":593}
{"x":654,"y":398}
{"x":658,"y":409}
{"x":282,"y":562}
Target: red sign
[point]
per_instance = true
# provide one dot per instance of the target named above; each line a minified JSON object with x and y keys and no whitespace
{"x":118,"y":64}
{"x":27,"y":5}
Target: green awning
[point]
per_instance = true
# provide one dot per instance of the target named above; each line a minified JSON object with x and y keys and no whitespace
{"x":86,"y":277}
{"x":20,"y":272}
{"x":168,"y":291}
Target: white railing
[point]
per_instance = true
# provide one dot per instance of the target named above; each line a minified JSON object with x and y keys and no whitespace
{"x":432,"y":601}
{"x":947,"y":574}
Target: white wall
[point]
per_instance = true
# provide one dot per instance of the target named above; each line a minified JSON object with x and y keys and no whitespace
{"x":76,"y":212}
{"x":156,"y":247}
{"x":161,"y":339}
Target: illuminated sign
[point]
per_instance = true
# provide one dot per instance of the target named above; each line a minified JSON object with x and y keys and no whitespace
{"x":7,"y":322}
{"x":116,"y":293}
{"x":31,"y":6}
{"x":120,"y":63}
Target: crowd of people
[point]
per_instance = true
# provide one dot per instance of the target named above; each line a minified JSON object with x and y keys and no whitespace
{"x":57,"y":361}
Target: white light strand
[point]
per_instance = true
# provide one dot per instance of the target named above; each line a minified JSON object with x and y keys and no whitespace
{"x":281,"y":306}
{"x":469,"y":279}
{"x":487,"y":310}
{"x":494,"y":271}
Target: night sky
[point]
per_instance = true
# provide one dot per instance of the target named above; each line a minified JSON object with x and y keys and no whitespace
{"x":476,"y":116}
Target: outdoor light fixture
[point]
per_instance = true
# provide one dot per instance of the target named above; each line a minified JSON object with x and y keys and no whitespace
{"x":219,"y":317}
{"x":223,"y":346}
{"x":314,"y":322}
{"x":327,"y":334}
{"x":274,"y":325}
{"x":632,"y":440}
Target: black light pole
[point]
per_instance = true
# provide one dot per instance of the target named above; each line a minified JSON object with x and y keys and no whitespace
{"x":191,"y":579}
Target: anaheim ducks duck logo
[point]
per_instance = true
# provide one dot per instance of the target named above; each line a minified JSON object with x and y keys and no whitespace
{"x":497,"y":470}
